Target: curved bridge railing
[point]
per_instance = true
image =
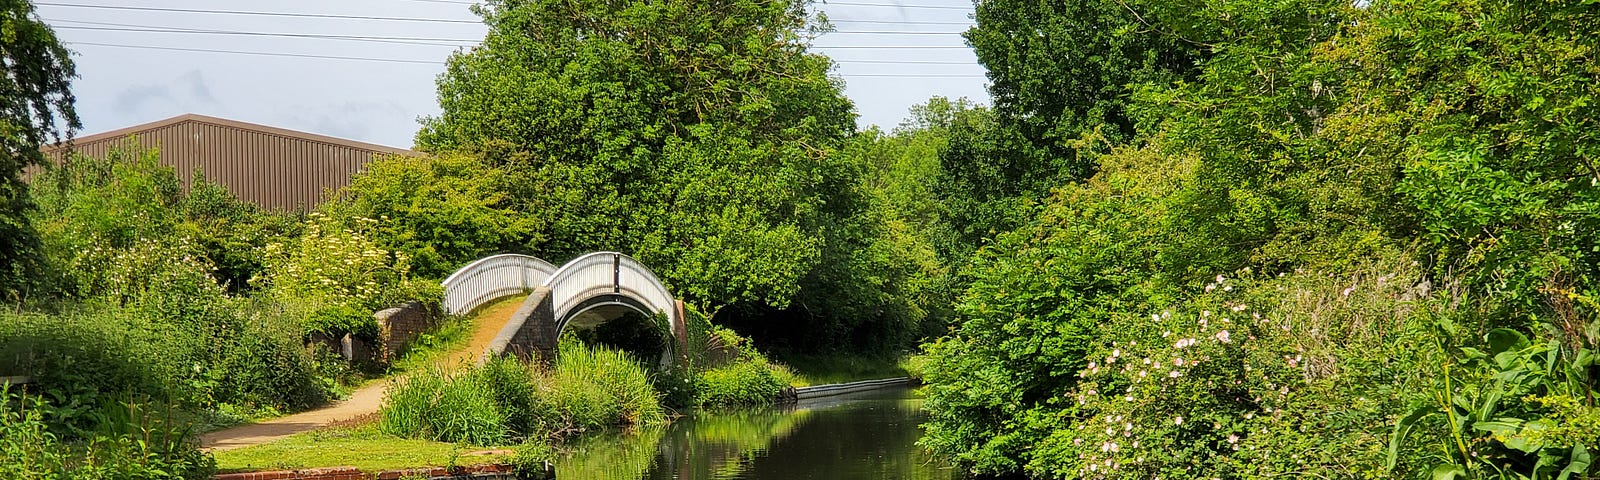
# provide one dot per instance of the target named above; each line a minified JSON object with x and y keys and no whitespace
{"x":493,"y":277}
{"x":607,"y":273}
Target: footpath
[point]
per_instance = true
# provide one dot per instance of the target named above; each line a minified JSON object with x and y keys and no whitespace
{"x":363,"y":402}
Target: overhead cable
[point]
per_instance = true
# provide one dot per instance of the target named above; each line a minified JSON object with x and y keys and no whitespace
{"x":268,"y":14}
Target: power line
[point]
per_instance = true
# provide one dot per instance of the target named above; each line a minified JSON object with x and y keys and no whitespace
{"x":890,"y":33}
{"x":434,"y":62}
{"x":902,"y":22}
{"x":904,"y":62}
{"x":888,"y":47}
{"x":932,"y":7}
{"x":915,"y":75}
{"x":268,"y":14}
{"x":361,"y":38}
{"x":264,"y":54}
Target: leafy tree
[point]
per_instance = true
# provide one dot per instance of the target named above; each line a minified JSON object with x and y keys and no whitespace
{"x":1062,"y":77}
{"x":440,"y":211}
{"x":701,"y":137}
{"x":36,"y":75}
{"x":1356,"y":158}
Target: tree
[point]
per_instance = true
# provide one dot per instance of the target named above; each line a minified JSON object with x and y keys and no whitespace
{"x":1063,"y":74}
{"x":701,"y":137}
{"x":35,"y":106}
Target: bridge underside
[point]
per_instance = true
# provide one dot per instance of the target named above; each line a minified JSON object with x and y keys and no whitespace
{"x":534,"y":330}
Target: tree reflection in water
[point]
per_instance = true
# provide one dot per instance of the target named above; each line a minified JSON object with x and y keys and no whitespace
{"x":869,"y":436}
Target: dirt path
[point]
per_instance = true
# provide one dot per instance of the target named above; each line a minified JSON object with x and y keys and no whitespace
{"x":365,"y":400}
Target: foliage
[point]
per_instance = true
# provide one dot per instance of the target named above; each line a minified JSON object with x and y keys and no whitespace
{"x":724,"y":168}
{"x":1514,"y":410}
{"x":130,"y":443}
{"x":441,"y":211}
{"x":218,"y":353}
{"x":1062,"y":96}
{"x":747,"y":381}
{"x":108,"y":217}
{"x":337,"y":265}
{"x":36,"y":106}
{"x":585,"y":389}
{"x":1390,"y":148}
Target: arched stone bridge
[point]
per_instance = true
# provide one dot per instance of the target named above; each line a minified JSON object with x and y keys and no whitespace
{"x":587,"y":291}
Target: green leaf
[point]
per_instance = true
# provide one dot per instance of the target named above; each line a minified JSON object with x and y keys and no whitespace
{"x":1504,"y":340}
{"x":1402,"y":429}
{"x":1449,"y":472}
{"x":1578,"y":463}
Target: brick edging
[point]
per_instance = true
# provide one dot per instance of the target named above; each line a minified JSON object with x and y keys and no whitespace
{"x":353,"y":473}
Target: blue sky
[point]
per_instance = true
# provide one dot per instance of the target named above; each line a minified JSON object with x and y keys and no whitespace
{"x":380,"y":102}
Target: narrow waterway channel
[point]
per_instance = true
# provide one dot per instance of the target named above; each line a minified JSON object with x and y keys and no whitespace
{"x":869,"y":435}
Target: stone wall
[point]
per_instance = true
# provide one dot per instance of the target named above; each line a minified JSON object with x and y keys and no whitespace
{"x":398,"y":326}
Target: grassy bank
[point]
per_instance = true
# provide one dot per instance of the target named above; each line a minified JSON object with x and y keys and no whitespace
{"x":823,"y":369}
{"x":364,"y":447}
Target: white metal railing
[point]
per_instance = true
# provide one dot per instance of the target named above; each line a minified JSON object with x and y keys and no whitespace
{"x":607,"y":272}
{"x":493,"y":277}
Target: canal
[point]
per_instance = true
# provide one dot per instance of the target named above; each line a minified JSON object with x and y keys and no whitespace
{"x":868,"y":435}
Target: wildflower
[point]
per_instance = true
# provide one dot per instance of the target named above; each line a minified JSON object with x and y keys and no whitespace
{"x":1233,"y":438}
{"x":1178,"y":421}
{"x":1222,"y":336}
{"x":1174,"y":374}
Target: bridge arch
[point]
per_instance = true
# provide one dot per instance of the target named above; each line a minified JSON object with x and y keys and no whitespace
{"x":587,"y":290}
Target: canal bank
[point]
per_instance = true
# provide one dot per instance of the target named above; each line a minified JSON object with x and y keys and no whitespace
{"x":860,"y":434}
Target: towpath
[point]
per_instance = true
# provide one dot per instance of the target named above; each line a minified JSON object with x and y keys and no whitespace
{"x":365,"y":400}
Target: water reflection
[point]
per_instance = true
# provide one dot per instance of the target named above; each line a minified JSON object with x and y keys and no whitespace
{"x":866,"y":436}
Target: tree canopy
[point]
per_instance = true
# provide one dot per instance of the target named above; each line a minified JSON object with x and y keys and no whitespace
{"x":703,"y":138}
{"x":36,"y":106}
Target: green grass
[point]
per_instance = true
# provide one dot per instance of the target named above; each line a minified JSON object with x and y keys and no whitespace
{"x":813,"y":369}
{"x":363,"y":447}
{"x":453,"y":334}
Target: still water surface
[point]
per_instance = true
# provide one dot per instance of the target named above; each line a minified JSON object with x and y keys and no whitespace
{"x":862,"y":436}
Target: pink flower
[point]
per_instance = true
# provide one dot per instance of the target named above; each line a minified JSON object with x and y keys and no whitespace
{"x":1222,"y":336}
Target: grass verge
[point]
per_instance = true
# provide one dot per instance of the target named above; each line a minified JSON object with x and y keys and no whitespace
{"x":824,"y":369}
{"x":363,"y":447}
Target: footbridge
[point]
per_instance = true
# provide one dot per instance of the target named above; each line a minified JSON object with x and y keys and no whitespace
{"x":586,"y":291}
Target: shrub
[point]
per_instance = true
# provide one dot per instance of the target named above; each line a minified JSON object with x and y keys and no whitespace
{"x":749,"y":381}
{"x":586,"y":389}
{"x":129,"y":443}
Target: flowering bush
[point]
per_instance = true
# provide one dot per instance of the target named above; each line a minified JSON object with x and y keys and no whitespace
{"x":336,"y":264}
{"x":1226,"y":387}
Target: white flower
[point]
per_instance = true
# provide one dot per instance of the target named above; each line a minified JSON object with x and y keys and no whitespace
{"x":1178,"y":421}
{"x":1222,"y":336}
{"x":1233,"y":438}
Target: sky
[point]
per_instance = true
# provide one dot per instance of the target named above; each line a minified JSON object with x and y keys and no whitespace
{"x":140,"y":60}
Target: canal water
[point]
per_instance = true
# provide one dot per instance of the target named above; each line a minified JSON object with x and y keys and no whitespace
{"x":863,"y":436}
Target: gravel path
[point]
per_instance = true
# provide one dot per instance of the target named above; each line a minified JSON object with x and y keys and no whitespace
{"x":364,"y":401}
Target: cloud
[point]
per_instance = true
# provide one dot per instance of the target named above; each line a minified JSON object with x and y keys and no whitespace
{"x":182,"y":93}
{"x":195,"y":83}
{"x":353,"y":119}
{"x":134,"y":99}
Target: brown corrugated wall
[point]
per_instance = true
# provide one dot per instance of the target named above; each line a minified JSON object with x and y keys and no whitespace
{"x":276,"y":171}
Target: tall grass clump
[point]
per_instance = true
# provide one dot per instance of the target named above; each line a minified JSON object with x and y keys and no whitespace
{"x":585,"y":389}
{"x":129,"y":442}
{"x":730,"y":370}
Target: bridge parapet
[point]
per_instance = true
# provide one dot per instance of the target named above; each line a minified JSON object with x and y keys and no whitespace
{"x":593,"y":275}
{"x":491,"y":278}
